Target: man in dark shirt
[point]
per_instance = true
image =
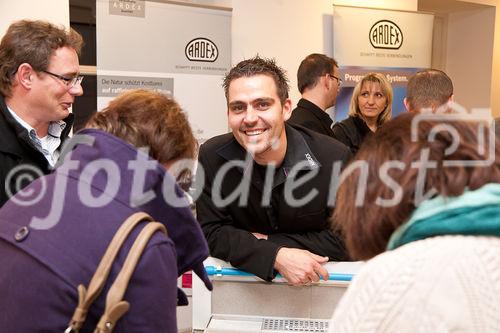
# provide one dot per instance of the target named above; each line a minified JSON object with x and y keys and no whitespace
{"x":319,"y":81}
{"x":264,"y":206}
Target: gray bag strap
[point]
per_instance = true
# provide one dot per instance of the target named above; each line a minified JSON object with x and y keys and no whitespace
{"x":115,"y":306}
{"x":87,"y":296}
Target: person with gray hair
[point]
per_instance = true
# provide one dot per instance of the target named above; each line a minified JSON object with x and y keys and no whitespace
{"x":428,"y":89}
{"x":39,"y":80}
{"x":319,"y":82}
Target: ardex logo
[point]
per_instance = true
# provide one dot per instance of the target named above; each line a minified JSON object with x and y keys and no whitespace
{"x":386,"y":34}
{"x":201,"y":49}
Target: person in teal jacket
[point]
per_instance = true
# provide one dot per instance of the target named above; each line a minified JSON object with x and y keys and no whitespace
{"x":429,"y":226}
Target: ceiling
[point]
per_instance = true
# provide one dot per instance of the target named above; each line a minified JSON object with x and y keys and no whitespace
{"x":447,"y":6}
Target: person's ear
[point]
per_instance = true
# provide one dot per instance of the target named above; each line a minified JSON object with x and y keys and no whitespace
{"x":407,"y":104}
{"x":287,"y":109}
{"x":24,"y":75}
{"x":326,"y":81}
{"x":452,"y":98}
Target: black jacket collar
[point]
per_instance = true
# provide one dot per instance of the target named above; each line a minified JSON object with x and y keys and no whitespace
{"x":297,"y":152}
{"x":361,"y":126}
{"x":14,"y":138}
{"x":316,"y":111}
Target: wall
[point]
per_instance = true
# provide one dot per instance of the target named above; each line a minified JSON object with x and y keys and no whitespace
{"x":56,"y":11}
{"x":495,"y":72}
{"x":469,"y":55}
{"x":439,"y":41}
{"x":285,"y":30}
{"x":290,"y":30}
{"x":303,"y":27}
{"x":384,"y":4}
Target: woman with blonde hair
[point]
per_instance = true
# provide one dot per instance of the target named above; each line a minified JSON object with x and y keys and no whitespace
{"x":370,"y":108}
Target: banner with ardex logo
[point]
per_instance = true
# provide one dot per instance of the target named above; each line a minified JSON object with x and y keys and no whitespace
{"x":385,"y":34}
{"x":174,"y":48}
{"x":202,"y":49}
{"x":394,"y":43}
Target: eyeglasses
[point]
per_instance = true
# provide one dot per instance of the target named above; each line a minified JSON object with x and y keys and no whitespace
{"x":70,"y":82}
{"x":339,"y":80}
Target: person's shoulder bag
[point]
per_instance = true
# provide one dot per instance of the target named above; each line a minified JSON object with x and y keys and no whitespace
{"x":116,"y":307}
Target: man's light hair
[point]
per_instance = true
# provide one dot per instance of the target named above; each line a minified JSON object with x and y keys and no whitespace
{"x":428,"y":89}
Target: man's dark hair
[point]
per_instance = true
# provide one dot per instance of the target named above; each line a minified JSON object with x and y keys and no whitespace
{"x":32,"y":42}
{"x":312,"y":68}
{"x":259,"y":66}
{"x":429,"y":88}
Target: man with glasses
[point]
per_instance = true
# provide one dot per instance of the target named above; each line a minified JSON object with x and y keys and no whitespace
{"x":319,"y":81}
{"x":39,"y":79}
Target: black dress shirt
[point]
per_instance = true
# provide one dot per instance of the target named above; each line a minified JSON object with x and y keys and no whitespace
{"x":17,"y":150}
{"x":310,"y":116}
{"x":262,"y":206}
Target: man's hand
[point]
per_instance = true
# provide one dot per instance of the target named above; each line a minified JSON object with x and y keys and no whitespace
{"x":300,"y":267}
{"x":259,"y":235}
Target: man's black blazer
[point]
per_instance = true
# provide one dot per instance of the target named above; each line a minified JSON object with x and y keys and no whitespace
{"x":229,"y":226}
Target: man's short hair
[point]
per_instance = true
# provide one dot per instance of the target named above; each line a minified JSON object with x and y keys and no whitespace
{"x":429,"y":88}
{"x":259,"y":66}
{"x":32,"y":42}
{"x":312,"y":68}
